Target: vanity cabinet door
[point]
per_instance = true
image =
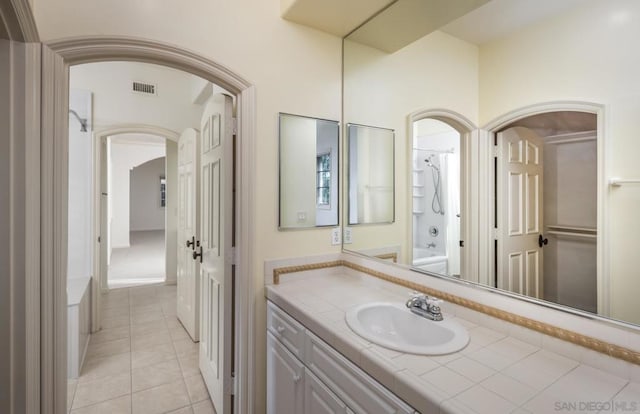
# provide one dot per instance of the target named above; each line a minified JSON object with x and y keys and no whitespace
{"x":318,"y":399}
{"x":285,"y":379}
{"x":356,"y":388}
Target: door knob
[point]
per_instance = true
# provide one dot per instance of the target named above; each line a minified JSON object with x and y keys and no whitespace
{"x":542,"y":241}
{"x":192,"y":243}
{"x":196,"y":254}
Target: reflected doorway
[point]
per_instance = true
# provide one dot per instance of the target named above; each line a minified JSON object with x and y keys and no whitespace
{"x":546,"y":169}
{"x":436,"y":197}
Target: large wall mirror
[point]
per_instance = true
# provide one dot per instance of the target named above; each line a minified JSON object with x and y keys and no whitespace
{"x":515,"y":144}
{"x":309,"y":157}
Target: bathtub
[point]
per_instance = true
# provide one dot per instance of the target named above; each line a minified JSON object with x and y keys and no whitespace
{"x":430,"y":261}
{"x":78,"y":323}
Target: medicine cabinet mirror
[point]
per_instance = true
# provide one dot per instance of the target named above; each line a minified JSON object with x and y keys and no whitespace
{"x":309,"y":157}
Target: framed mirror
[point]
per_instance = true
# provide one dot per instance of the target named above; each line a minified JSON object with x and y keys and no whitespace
{"x":371,"y":164}
{"x":515,"y":140}
{"x":309,"y":157}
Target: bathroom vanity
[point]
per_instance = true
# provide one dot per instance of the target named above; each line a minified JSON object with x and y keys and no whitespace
{"x":317,"y":364}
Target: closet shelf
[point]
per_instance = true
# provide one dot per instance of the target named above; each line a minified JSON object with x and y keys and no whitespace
{"x":572,"y":229}
{"x":573,"y":234}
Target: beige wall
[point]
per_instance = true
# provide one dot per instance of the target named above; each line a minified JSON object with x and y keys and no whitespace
{"x":589,"y":55}
{"x":437,"y":71}
{"x":115,"y":103}
{"x":295,"y":69}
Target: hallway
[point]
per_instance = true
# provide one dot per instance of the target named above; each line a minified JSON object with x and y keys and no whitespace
{"x":141,"y":263}
{"x":142,"y":361}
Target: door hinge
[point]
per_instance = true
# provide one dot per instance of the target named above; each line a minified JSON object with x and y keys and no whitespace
{"x":495,"y":150}
{"x":99,"y":239}
{"x":234,"y":125}
{"x":232,"y":385}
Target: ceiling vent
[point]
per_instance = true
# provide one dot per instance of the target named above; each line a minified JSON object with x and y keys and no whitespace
{"x":144,"y":88}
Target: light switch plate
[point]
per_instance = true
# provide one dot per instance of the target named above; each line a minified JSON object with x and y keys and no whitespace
{"x":347,"y":235}
{"x":335,"y":236}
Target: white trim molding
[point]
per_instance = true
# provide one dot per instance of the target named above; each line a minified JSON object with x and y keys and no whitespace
{"x":18,"y":21}
{"x":136,"y":129}
{"x":57,"y":57}
{"x":603,"y":168}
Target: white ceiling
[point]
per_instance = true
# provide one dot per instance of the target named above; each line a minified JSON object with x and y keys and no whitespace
{"x":405,"y":21}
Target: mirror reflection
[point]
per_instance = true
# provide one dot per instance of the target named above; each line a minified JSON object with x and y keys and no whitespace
{"x":371,"y":172}
{"x":515,"y":160}
{"x":309,"y":155}
{"x":435,"y":173}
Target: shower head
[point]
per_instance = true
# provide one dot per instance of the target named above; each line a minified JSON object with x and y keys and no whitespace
{"x":429,"y":161}
{"x":83,"y":121}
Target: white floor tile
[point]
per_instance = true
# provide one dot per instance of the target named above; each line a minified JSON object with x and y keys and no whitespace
{"x":161,"y":399}
{"x":137,"y":365}
{"x":155,"y":375}
{"x":120,"y":405}
{"x":204,"y":407}
{"x":196,"y":388}
{"x":103,"y":389}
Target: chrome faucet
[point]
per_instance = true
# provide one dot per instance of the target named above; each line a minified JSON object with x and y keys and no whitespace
{"x":425,"y":306}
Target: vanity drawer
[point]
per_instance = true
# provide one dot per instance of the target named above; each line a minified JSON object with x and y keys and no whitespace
{"x":286,"y":329}
{"x":357,"y":389}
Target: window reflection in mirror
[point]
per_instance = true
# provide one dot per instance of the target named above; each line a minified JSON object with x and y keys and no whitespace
{"x":308,"y":172}
{"x":371,"y":174}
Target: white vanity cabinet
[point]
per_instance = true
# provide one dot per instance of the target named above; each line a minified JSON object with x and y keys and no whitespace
{"x":307,"y":376}
{"x":318,"y":399}
{"x":285,"y":379}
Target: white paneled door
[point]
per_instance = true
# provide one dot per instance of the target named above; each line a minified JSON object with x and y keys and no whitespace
{"x":215,"y":250}
{"x":188,"y":268}
{"x":520,"y":218}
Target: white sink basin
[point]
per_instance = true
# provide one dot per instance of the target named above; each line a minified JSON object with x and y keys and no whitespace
{"x":393,"y":326}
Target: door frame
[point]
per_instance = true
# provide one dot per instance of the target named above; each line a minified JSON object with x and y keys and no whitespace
{"x":487,"y":137}
{"x":57,"y":57}
{"x":99,"y":284}
{"x":468,"y":185}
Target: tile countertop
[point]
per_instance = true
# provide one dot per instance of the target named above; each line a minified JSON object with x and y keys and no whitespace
{"x":495,"y":373}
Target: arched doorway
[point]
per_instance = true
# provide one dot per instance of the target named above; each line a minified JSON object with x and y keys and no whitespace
{"x":57,"y":57}
{"x":441,"y":232}
{"x":554,"y":125}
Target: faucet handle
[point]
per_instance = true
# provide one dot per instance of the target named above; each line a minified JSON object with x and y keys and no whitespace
{"x":433,"y":301}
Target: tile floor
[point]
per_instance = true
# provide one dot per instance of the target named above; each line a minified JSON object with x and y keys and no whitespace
{"x":142,"y":361}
